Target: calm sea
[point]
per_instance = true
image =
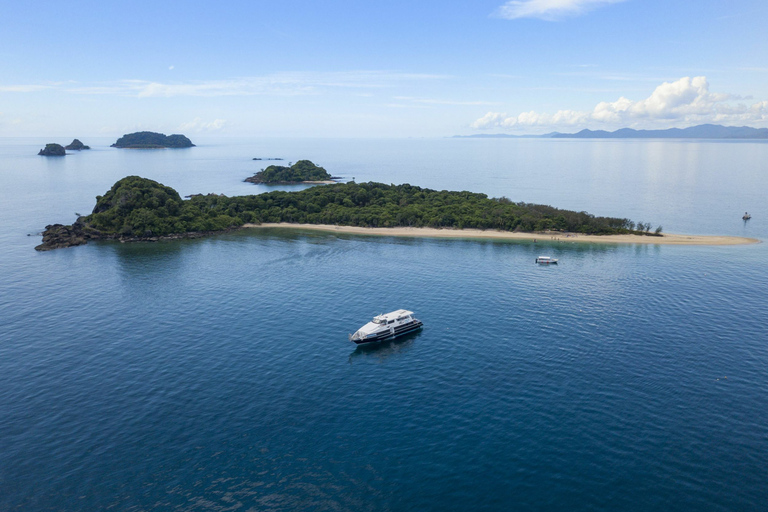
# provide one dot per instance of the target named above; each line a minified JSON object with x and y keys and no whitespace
{"x":216,"y":375}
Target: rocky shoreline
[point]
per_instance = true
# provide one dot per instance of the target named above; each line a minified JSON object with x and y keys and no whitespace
{"x":59,"y":236}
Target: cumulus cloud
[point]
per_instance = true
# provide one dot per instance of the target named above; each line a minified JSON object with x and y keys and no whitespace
{"x":198,"y":125}
{"x":549,"y":10}
{"x":687,"y":100}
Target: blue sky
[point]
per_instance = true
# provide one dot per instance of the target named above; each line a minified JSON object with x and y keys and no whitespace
{"x":371,"y":69}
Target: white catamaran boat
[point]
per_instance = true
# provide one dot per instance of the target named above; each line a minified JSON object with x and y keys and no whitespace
{"x":546,"y":260}
{"x":386,"y":326}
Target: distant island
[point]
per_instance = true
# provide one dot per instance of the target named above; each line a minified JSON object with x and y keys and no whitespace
{"x":76,"y":145}
{"x":136,"y":209}
{"x":52,"y":149}
{"x":703,"y":131}
{"x":257,"y":158}
{"x":302,"y":171}
{"x":152,"y":140}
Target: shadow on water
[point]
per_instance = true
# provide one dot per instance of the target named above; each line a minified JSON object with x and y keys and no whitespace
{"x":148,"y":258}
{"x":385,"y":349}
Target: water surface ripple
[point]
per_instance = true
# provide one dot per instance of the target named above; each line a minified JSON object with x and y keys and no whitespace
{"x":215,"y":374}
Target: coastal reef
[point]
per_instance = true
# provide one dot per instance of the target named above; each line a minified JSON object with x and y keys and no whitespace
{"x":137,"y":209}
{"x":52,"y":149}
{"x":301,"y":171}
{"x":76,"y":145}
{"x":152,"y":140}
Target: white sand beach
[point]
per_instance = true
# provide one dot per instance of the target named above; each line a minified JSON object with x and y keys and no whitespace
{"x":665,"y":239}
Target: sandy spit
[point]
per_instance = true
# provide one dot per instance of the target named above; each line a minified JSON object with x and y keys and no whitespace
{"x":666,"y":239}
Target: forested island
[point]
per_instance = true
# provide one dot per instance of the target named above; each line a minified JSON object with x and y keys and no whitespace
{"x":137,"y":209}
{"x":302,"y":171}
{"x":152,"y":140}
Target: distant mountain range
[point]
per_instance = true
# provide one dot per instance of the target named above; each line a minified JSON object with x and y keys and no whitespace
{"x":702,"y":131}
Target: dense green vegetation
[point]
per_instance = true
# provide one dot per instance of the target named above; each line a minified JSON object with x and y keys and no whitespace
{"x":150,"y":140}
{"x":138,"y":207}
{"x":303,"y":170}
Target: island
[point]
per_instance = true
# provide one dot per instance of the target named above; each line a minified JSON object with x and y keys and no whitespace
{"x":702,"y":131}
{"x":140,"y":209}
{"x":152,"y":140}
{"x":52,"y":149}
{"x":76,"y":145}
{"x":302,"y":171}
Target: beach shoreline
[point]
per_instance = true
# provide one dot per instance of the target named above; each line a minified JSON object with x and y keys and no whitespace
{"x":665,"y":239}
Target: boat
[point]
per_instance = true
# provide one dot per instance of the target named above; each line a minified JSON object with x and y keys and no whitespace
{"x":746,"y":216}
{"x":387,"y":326}
{"x":546,"y":260}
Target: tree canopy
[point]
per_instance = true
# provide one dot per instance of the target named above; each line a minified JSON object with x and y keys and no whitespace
{"x":149,"y":140}
{"x":139,"y":207}
{"x":303,"y":170}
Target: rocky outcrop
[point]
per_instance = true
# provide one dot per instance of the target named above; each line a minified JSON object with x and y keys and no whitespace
{"x":52,"y":149}
{"x":59,"y":236}
{"x":76,"y":145}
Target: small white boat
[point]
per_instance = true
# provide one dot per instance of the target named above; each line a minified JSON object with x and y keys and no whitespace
{"x":746,"y":216}
{"x":546,"y":260}
{"x":387,"y":326}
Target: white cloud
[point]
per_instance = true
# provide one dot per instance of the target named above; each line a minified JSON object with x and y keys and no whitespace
{"x":285,"y":84}
{"x":549,"y":10}
{"x":684,"y":101}
{"x":198,"y":125}
{"x":170,"y":68}
{"x":433,"y":101}
{"x":23,"y":88}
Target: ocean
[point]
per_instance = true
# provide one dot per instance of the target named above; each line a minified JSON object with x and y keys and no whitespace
{"x":215,"y":374}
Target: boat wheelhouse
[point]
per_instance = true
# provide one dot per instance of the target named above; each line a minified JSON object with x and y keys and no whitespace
{"x":546,"y":260}
{"x":387,"y":326}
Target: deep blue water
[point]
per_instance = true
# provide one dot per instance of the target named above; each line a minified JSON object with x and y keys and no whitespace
{"x":216,"y":374}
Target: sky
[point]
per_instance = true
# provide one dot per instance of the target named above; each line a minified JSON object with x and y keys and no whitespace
{"x":380,"y":69}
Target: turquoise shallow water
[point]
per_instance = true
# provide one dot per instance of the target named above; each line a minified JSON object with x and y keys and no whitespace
{"x":215,"y":374}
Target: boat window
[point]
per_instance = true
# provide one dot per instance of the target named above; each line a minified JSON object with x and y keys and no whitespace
{"x":391,"y":321}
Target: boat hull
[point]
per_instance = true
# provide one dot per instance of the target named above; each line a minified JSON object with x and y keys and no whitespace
{"x":400,"y":330}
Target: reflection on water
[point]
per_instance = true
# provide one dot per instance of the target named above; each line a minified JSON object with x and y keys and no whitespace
{"x":385,"y":349}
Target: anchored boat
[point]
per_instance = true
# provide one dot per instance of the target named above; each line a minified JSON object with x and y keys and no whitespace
{"x":386,"y":326}
{"x":546,"y":260}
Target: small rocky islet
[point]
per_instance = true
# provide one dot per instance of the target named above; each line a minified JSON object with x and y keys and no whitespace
{"x":76,"y":145}
{"x":54,"y":149}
